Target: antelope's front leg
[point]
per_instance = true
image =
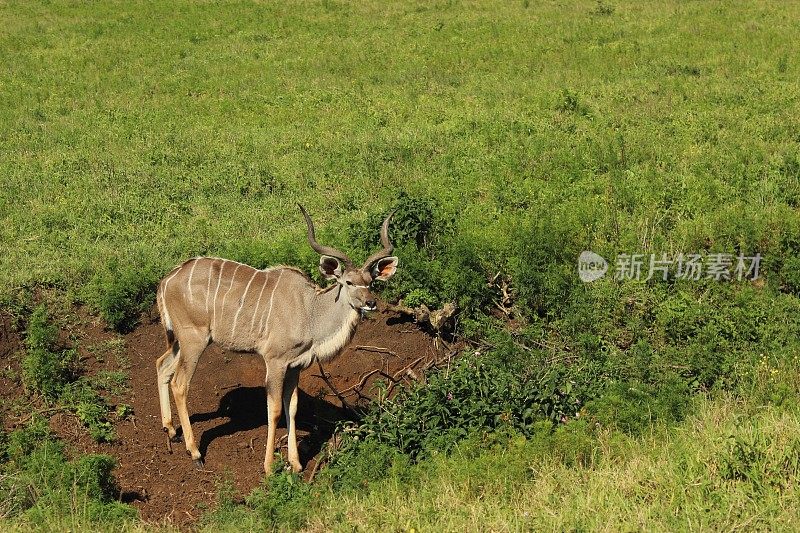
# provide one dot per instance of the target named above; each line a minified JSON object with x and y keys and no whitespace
{"x":290,"y":408}
{"x":274,"y":384}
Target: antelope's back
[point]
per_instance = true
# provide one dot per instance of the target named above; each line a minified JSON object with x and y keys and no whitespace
{"x":235,"y":304}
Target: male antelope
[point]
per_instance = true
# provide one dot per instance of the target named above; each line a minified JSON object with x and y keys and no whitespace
{"x":278,"y":313}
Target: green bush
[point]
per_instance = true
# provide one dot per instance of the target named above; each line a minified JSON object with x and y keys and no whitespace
{"x":633,"y":407}
{"x":46,"y":369}
{"x":282,"y":502}
{"x":43,"y":487}
{"x":542,"y":264}
{"x":18,"y":304}
{"x":790,"y":274}
{"x":356,"y":466}
{"x":418,"y":297}
{"x":483,"y":392}
{"x":90,"y":407}
{"x":417,"y":220}
{"x":753,"y":456}
{"x":122,"y":291}
{"x":53,"y":372}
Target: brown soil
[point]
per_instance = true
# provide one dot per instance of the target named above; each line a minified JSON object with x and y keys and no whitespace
{"x":227,"y":403}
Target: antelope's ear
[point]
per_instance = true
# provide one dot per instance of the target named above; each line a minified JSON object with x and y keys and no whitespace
{"x":330,"y":267}
{"x":385,"y":268}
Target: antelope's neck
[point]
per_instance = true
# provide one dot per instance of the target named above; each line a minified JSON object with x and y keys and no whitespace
{"x":334,"y":322}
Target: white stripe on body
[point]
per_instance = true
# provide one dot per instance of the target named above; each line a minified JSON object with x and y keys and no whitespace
{"x":271,"y":301}
{"x":191,"y":275}
{"x":258,"y":303}
{"x":230,"y":287}
{"x":166,"y":281}
{"x":216,"y":293}
{"x":241,"y":303}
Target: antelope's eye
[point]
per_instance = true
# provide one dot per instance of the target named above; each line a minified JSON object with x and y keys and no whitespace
{"x":349,"y":282}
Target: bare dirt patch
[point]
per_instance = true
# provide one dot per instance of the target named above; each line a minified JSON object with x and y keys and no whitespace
{"x":227,"y":403}
{"x":10,"y":345}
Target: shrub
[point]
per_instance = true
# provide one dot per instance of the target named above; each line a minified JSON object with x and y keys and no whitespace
{"x":633,"y":407}
{"x":90,"y":408}
{"x":357,"y":465}
{"x":121,"y":292}
{"x":542,"y":264}
{"x":282,"y":502}
{"x":53,"y":373}
{"x":479,"y":392}
{"x":416,"y":220}
{"x":418,"y":297}
{"x":42,"y":484}
{"x":45,"y":368}
{"x":754,"y":456}
{"x":790,"y":274}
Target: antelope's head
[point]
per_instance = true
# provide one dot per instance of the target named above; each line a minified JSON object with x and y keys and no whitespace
{"x":354,"y":283}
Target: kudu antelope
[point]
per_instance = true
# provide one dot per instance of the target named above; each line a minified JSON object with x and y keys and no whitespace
{"x":278,"y":313}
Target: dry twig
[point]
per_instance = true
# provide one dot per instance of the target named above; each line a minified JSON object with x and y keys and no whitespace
{"x":375,"y":349}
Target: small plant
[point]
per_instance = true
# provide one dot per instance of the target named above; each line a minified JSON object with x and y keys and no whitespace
{"x":753,"y":457}
{"x":570,"y":103}
{"x":124,"y":411}
{"x":113,"y":381}
{"x":109,"y":349}
{"x":790,"y":274}
{"x":783,"y":64}
{"x":18,"y":304}
{"x":90,"y":408}
{"x":53,"y":372}
{"x":282,"y":502}
{"x":633,"y":407}
{"x":418,"y":297}
{"x":46,"y":369}
{"x":603,"y":9}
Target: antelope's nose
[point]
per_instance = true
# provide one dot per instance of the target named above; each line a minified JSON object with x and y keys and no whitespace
{"x":372,"y":304}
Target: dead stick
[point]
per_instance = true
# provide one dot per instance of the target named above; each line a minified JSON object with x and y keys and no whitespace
{"x":376,"y":349}
{"x":324,"y":377}
{"x":314,"y":470}
{"x":363,"y":380}
{"x":407,"y":368}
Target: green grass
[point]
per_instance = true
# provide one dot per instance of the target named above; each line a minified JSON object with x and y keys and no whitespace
{"x":729,"y":466}
{"x":41,"y":488}
{"x":509,"y":137}
{"x":140,"y":134}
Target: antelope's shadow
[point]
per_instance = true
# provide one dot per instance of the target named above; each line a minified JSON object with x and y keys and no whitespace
{"x":246,"y":409}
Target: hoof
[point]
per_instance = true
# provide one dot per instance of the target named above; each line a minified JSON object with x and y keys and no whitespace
{"x":199,"y":464}
{"x":170,"y":440}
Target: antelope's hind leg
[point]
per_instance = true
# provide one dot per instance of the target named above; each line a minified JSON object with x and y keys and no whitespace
{"x":192,"y":345}
{"x":165,"y":369}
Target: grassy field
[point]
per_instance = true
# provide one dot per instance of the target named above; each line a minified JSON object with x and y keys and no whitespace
{"x":510,"y":136}
{"x":147,"y":133}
